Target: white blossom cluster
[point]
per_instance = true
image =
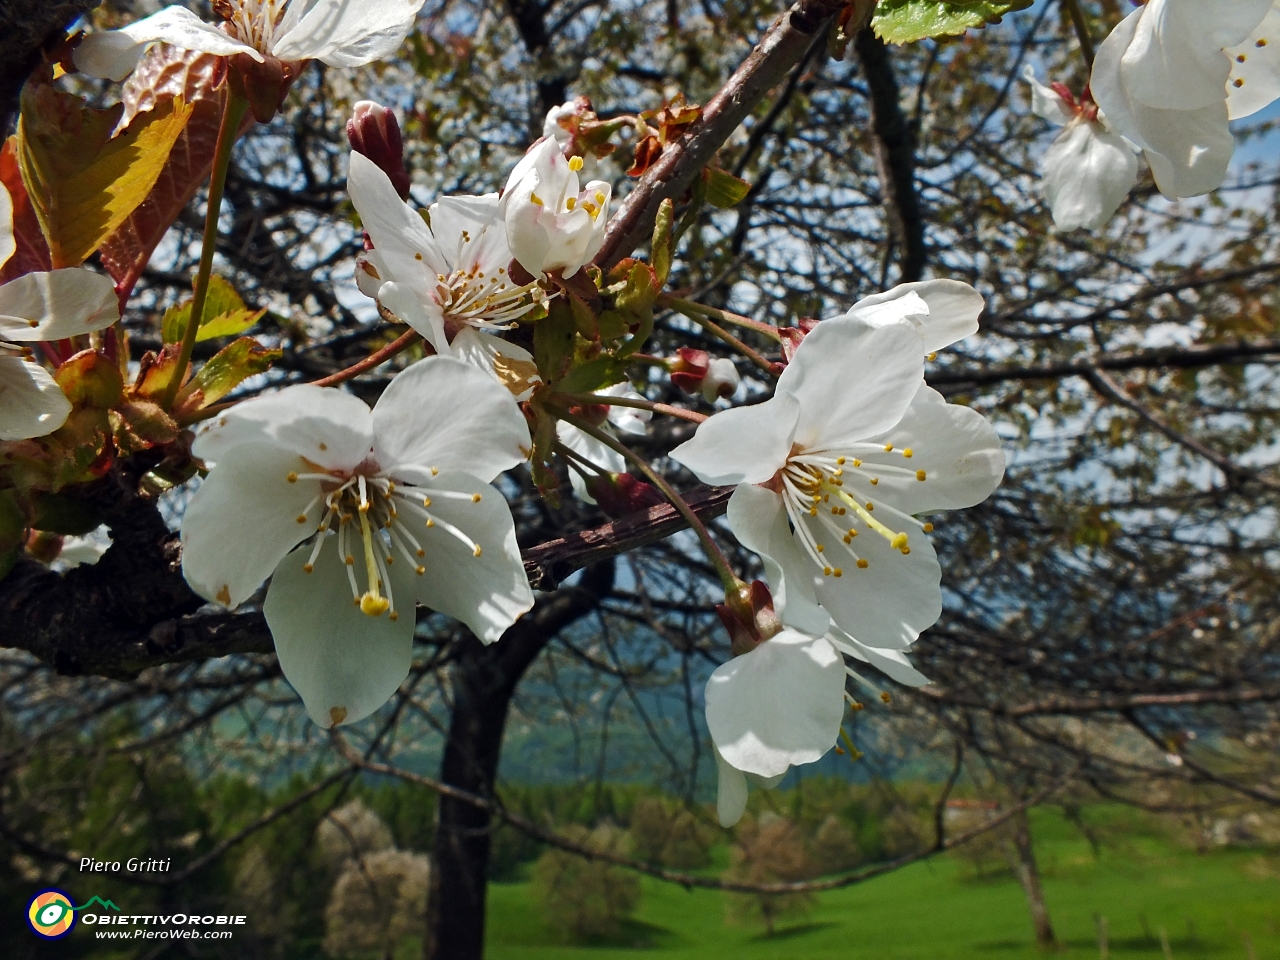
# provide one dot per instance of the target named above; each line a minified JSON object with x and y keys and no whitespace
{"x":1165,"y":84}
{"x":356,"y":515}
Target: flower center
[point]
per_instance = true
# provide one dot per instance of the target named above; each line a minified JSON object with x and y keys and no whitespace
{"x":373,"y":518}
{"x":826,"y":496}
{"x":469,"y":298}
{"x":253,"y":22}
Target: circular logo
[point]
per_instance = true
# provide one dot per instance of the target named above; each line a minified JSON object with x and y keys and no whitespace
{"x":51,"y":914}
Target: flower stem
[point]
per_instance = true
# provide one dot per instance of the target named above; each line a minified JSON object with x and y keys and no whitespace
{"x":232,"y":113}
{"x":709,"y":546}
{"x":398,"y":345}
{"x":1082,"y":31}
{"x":639,"y":404}
{"x":724,"y":316}
{"x":765,"y":364}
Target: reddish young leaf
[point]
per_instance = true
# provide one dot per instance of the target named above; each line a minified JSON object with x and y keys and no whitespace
{"x":164,"y":73}
{"x":32,"y":254}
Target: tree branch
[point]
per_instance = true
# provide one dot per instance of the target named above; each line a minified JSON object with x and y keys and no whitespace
{"x":780,"y":49}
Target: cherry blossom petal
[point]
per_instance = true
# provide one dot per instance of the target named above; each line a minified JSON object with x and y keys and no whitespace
{"x":509,"y":363}
{"x":852,"y":380}
{"x":551,"y":224}
{"x":57,"y":305}
{"x":344,"y":33}
{"x":470,"y":232}
{"x":489,"y":591}
{"x":890,"y":601}
{"x":399,"y":234}
{"x":8,"y":246}
{"x":742,"y":445}
{"x":424,"y":316}
{"x":445,"y":414}
{"x":953,"y":448}
{"x":243,"y":519}
{"x":759,"y":521}
{"x":1255,"y":68}
{"x":1046,"y":102}
{"x":731,"y":792}
{"x":892,"y":663}
{"x":951,"y":310}
{"x":331,"y":429}
{"x":343,"y":664}
{"x":1188,"y":150}
{"x":1088,"y":172}
{"x":779,"y":705}
{"x":1175,"y":60}
{"x":112,"y":54}
{"x":31,"y":402}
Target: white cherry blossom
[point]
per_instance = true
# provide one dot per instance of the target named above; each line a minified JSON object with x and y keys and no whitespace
{"x":553,"y":224}
{"x":1161,"y":78}
{"x":613,"y":420}
{"x":833,"y":470}
{"x":35,"y":307}
{"x":1255,"y":68}
{"x":941,"y":311}
{"x":448,"y":280}
{"x":1090,"y":169}
{"x":357,"y":515}
{"x":341,"y":33}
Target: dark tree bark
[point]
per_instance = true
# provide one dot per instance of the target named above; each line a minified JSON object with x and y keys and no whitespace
{"x":484,"y":679}
{"x":25,"y":27}
{"x":895,"y":150}
{"x":1024,"y":865}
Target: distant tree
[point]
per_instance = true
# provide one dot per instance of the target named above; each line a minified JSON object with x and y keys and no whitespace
{"x":768,"y":851}
{"x":835,"y":847}
{"x":664,"y":833}
{"x":584,"y":898}
{"x":377,"y":902}
{"x":350,"y":832}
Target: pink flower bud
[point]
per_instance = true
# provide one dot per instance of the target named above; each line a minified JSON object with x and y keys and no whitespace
{"x":374,"y":131}
{"x":689,"y":368}
{"x":791,"y":336}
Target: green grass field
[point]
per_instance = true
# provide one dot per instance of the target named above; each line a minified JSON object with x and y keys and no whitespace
{"x":1212,"y":905}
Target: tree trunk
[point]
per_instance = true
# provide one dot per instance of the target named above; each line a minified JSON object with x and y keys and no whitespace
{"x":1029,"y":876}
{"x":484,"y":681}
{"x":25,"y":26}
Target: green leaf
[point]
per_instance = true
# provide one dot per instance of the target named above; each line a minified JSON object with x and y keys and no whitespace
{"x":231,"y":366}
{"x":553,"y":340}
{"x":905,"y":21}
{"x":89,"y":379}
{"x":724,"y":190}
{"x":83,"y":182}
{"x":65,"y":515}
{"x":142,"y":424}
{"x":225,"y":315}
{"x":594,"y":375}
{"x":661,"y":247}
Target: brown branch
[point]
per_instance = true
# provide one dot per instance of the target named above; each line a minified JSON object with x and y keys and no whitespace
{"x":1107,"y":703}
{"x":781,"y":48}
{"x":549,"y":563}
{"x":1181,"y":358}
{"x":1117,"y":394}
{"x":895,"y":154}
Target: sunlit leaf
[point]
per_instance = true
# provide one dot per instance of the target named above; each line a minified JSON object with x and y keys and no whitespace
{"x":83,"y":181}
{"x":905,"y":21}
{"x":232,"y":365}
{"x":225,"y":314}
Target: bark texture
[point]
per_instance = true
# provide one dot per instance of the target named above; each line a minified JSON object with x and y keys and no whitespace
{"x":484,"y":679}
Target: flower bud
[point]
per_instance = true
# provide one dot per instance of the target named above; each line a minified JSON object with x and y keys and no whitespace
{"x":689,"y":368}
{"x":264,"y":84}
{"x":749,"y":617}
{"x":621,"y":494}
{"x":791,"y":336}
{"x":721,"y":380}
{"x":552,"y":225}
{"x":374,"y":131}
{"x":369,"y":274}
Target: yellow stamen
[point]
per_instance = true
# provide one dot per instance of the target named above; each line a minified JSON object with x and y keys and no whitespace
{"x":920,"y":475}
{"x":862,"y":564}
{"x":928,"y":528}
{"x":534,"y":198}
{"x":575,"y":164}
{"x":292,"y":477}
{"x":908,"y":453}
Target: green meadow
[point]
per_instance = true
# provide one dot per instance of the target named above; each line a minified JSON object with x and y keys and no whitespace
{"x":1223,"y":903}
